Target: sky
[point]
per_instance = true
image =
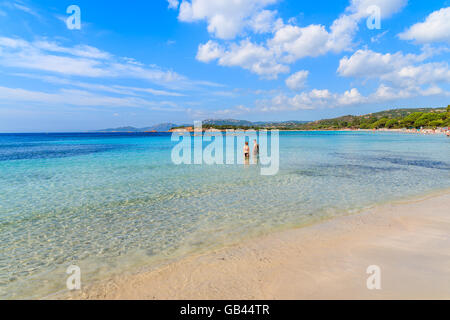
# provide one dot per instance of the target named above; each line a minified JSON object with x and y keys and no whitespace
{"x":140,"y":63}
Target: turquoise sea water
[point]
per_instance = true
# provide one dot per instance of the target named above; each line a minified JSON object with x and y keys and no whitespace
{"x":111,"y":203}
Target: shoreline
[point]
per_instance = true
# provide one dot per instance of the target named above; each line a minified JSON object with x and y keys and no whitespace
{"x":408,"y":240}
{"x":404,"y":130}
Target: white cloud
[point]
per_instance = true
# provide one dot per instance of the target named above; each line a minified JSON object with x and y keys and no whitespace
{"x":400,"y":76}
{"x":297,"y":80}
{"x":292,"y":43}
{"x":73,"y":71}
{"x":247,"y":55}
{"x":399,"y":69}
{"x":351,"y":97}
{"x":433,"y":91}
{"x":22,"y":7}
{"x":152,"y":91}
{"x":117,"y":89}
{"x":238,"y":110}
{"x":435,"y":28}
{"x":385,"y":93}
{"x":370,"y":64}
{"x":82,"y":60}
{"x":320,"y":94}
{"x":289,"y":42}
{"x":313,"y":99}
{"x":70,"y":97}
{"x":377,"y":38}
{"x":84,"y":51}
{"x":173,"y":4}
{"x":209,"y":51}
{"x":321,"y":99}
{"x":387,"y":7}
{"x":343,"y":31}
{"x":225,"y":20}
{"x":424,"y":74}
{"x":264,"y":21}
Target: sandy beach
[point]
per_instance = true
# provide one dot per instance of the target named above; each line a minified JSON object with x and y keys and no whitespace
{"x":408,"y":240}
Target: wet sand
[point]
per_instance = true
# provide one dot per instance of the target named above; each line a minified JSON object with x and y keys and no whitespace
{"x":409,"y":241}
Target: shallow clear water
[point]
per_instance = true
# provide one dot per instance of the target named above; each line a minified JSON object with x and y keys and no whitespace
{"x":115,"y":202}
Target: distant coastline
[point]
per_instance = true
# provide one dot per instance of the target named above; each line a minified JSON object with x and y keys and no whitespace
{"x":422,"y":120}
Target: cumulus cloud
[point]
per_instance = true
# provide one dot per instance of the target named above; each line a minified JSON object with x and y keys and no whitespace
{"x":288,"y":42}
{"x":264,"y":21}
{"x":369,"y":64}
{"x":435,"y":28}
{"x":342,"y":32}
{"x":225,"y":20}
{"x":314,"y":99}
{"x":209,"y":51}
{"x":320,"y":99}
{"x":399,"y":69}
{"x":351,"y":97}
{"x":297,"y":80}
{"x":245,"y":54}
{"x":386,"y":93}
{"x":424,"y":74}
{"x":292,"y":43}
{"x":400,"y":76}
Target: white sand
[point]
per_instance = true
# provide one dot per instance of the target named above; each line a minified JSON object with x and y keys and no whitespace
{"x":409,"y":241}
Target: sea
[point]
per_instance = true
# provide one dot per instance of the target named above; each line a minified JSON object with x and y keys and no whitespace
{"x":116,"y":203}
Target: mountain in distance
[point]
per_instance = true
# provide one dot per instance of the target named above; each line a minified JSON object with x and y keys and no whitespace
{"x":120,"y":129}
{"x":162,"y":127}
{"x":227,"y":122}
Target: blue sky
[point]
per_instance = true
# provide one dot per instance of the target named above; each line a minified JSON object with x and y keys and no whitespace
{"x":145,"y":62}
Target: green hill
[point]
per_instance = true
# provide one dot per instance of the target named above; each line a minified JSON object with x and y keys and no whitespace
{"x":392,"y":119}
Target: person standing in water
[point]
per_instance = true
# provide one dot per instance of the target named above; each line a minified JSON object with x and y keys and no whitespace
{"x":255,"y":151}
{"x":246,"y":154}
{"x":255,"y":148}
{"x":246,"y":151}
